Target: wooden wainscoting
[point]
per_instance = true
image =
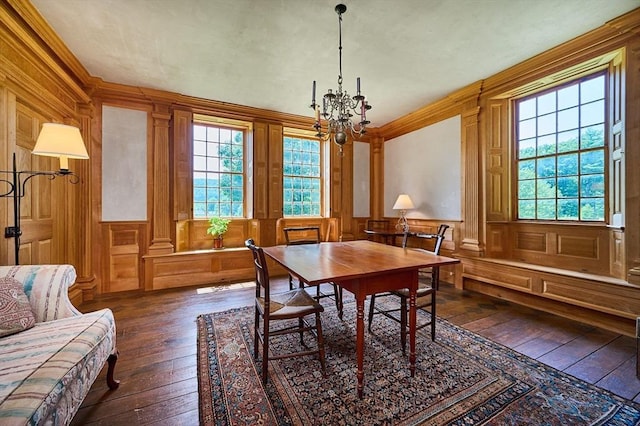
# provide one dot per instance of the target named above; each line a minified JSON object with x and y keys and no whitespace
{"x":606,"y":302}
{"x":124,"y":243}
{"x":579,"y":248}
{"x":197,"y":267}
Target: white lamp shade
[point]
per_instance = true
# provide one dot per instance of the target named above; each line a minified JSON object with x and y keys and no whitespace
{"x":60,"y":140}
{"x":403,"y":203}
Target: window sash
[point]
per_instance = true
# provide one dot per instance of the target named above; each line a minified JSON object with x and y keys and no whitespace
{"x":219,"y":176}
{"x":302,"y":176}
{"x":561,"y":152}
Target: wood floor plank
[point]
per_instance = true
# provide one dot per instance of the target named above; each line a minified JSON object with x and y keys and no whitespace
{"x":598,"y":364}
{"x":126,"y":406}
{"x":568,"y":354}
{"x":622,"y":381}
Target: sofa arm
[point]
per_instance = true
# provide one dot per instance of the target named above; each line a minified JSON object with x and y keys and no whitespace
{"x":47,"y":287}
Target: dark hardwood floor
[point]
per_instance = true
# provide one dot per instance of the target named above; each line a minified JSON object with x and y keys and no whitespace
{"x":156,"y":337}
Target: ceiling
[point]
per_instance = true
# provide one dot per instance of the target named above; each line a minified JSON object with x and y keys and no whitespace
{"x":266,"y":53}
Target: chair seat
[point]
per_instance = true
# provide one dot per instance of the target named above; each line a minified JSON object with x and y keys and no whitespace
{"x":291,"y":304}
{"x":424,"y":289}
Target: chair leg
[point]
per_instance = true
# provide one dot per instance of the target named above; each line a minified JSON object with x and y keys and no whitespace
{"x":320,"y":344}
{"x":265,"y":350}
{"x":433,"y":315}
{"x":300,"y":327}
{"x":337,"y":292}
{"x":371,"y":307}
{"x":403,"y":324}
{"x":256,"y":333}
{"x":290,"y":282}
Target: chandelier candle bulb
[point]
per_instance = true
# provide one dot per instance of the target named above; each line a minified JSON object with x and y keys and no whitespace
{"x":313,"y":93}
{"x":358,"y":84}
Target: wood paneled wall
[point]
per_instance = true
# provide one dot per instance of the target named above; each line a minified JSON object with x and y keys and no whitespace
{"x":587,"y":272}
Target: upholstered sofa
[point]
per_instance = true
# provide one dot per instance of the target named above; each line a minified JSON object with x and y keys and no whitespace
{"x":48,"y":364}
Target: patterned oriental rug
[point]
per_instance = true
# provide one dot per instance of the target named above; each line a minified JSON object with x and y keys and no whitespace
{"x":461,"y":379}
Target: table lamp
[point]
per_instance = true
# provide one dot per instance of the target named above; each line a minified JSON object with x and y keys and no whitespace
{"x":403,"y":203}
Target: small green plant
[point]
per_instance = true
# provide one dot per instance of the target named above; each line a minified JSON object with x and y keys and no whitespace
{"x":218,"y":226}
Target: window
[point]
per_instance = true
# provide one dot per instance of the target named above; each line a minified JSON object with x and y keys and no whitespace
{"x":302,"y":178}
{"x":560,"y":137}
{"x":218,"y":171}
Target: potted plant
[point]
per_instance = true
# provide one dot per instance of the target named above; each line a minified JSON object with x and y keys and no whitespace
{"x":217,"y":227}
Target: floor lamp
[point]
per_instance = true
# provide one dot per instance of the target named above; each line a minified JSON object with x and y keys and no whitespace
{"x":54,"y":140}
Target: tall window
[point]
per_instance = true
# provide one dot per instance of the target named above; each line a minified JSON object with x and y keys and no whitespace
{"x":561,"y":155}
{"x":218,"y":171}
{"x":302,"y":184}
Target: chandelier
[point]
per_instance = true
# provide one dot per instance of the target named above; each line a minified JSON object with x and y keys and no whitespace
{"x":339,"y":108}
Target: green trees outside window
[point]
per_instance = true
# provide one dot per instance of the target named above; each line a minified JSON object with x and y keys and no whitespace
{"x":560,"y":136}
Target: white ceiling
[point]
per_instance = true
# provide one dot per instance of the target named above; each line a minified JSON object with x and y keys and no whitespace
{"x":266,"y":53}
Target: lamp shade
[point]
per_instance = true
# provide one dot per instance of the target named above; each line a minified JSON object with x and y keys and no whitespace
{"x":403,"y":203}
{"x":60,"y":140}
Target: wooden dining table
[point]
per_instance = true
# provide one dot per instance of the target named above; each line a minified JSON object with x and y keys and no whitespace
{"x":363,"y":268}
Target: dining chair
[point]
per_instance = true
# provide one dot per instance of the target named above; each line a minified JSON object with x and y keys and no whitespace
{"x":428,"y":282}
{"x":311,"y":235}
{"x":377,"y":225}
{"x":292,"y":304}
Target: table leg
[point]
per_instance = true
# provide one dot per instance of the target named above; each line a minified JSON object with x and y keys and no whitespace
{"x":412,"y":327}
{"x":360,"y":342}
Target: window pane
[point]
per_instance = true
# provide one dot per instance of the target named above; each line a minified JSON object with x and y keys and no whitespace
{"x":568,"y":209}
{"x":526,"y":169}
{"x":546,"y":188}
{"x":199,"y":133}
{"x":527,"y":148}
{"x":592,"y":209}
{"x":562,"y":177}
{"x":592,"y":186}
{"x":592,"y":137}
{"x":592,"y":162}
{"x":546,"y":167}
{"x":568,"y":97}
{"x":547,"y":145}
{"x":547,"y":103}
{"x":526,"y":189}
{"x":592,"y":113}
{"x":546,"y":209}
{"x":527,"y":129}
{"x":568,"y":119}
{"x":567,"y":165}
{"x":568,"y":141}
{"x":568,"y":187}
{"x":547,"y":124}
{"x":526,"y":109}
{"x":526,"y":209}
{"x":592,"y":89}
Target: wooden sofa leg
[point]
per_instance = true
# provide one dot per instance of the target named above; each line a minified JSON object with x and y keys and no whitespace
{"x":113,"y":384}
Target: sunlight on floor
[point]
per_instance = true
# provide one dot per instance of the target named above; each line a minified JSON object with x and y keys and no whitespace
{"x":222,"y":287}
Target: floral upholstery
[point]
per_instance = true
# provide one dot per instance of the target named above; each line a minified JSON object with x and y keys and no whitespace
{"x":46,"y":371}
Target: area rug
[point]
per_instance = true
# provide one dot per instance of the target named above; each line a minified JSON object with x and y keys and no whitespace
{"x":460,"y":379}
